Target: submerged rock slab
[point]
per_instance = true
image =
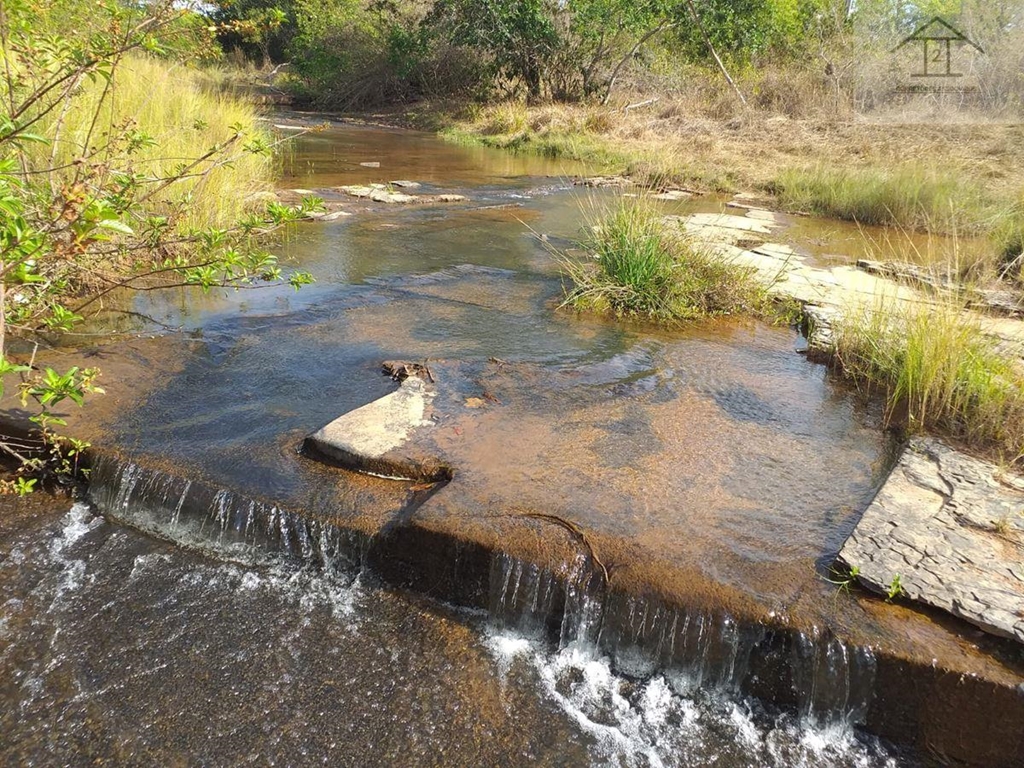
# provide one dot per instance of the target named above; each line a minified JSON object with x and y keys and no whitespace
{"x":673,"y":195}
{"x":375,"y":437}
{"x":950,"y":527}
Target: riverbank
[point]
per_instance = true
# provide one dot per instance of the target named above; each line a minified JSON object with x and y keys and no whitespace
{"x":956,"y":177}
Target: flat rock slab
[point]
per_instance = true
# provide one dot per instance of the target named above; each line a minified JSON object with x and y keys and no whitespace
{"x":951,"y":528}
{"x":603,"y":181}
{"x":723,"y":229}
{"x":673,"y":194}
{"x":839,"y":289}
{"x":376,"y":437}
{"x":380,"y":193}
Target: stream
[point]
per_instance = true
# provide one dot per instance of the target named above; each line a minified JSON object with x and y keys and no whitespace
{"x":133,"y":637}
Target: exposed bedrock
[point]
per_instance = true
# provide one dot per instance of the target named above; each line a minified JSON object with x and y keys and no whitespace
{"x":947,"y":530}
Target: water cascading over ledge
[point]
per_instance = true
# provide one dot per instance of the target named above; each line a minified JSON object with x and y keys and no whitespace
{"x":827,"y":682}
{"x":806,"y":670}
{"x":234,"y":526}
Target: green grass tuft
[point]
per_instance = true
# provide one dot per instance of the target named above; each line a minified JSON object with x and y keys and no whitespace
{"x":909,"y":196}
{"x":939,"y":370}
{"x":642,"y":268}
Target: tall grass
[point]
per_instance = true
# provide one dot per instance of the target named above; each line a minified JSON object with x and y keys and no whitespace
{"x":639,"y":267}
{"x":1008,"y":236}
{"x":939,"y":371}
{"x":912,"y":196}
{"x":177,"y":120}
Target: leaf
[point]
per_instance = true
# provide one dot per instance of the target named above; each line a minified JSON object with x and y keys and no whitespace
{"x":115,"y":225}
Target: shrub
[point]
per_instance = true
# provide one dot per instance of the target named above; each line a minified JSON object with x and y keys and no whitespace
{"x":102,"y":188}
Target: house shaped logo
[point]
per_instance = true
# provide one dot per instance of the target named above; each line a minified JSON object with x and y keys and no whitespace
{"x":936,"y":38}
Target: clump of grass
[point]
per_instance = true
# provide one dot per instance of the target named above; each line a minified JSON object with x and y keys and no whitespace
{"x":948,"y":262}
{"x":939,"y":370}
{"x":643,"y":268}
{"x":176,"y":117}
{"x":507,"y":118}
{"x":1008,"y":236}
{"x":910,"y":196}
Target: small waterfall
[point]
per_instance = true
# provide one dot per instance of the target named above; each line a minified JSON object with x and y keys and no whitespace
{"x":697,"y":649}
{"x":194,"y":514}
{"x":834,"y":683}
{"x":523,"y":596}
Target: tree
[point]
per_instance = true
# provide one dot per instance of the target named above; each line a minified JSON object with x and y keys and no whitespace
{"x":261,"y":27}
{"x":564,"y":50}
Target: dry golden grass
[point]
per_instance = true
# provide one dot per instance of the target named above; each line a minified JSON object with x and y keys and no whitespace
{"x":749,"y":149}
{"x":953,"y":178}
{"x":181,"y":120}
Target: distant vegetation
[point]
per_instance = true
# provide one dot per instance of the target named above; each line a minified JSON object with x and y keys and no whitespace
{"x":543,"y":75}
{"x":833,"y":54}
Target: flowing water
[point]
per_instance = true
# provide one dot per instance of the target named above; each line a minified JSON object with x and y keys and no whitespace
{"x":193,"y":624}
{"x":119,"y":648}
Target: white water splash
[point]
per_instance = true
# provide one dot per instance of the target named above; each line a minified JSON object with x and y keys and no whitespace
{"x":78,"y":522}
{"x":661,"y":722}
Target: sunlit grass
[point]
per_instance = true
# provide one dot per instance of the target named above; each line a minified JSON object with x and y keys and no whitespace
{"x":911,"y":196}
{"x":638,"y":266}
{"x":177,"y":120}
{"x":939,"y":371}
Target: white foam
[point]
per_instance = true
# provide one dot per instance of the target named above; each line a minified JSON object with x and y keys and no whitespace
{"x":76,"y":523}
{"x":650,"y":723}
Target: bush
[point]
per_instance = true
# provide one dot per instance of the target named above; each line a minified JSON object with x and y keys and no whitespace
{"x":102,"y":188}
{"x":350,"y":57}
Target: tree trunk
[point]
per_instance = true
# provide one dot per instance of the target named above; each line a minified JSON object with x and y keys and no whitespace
{"x":632,"y":52}
{"x":707,"y":42}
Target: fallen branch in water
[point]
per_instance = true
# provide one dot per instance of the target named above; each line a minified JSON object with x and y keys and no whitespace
{"x":574,"y":529}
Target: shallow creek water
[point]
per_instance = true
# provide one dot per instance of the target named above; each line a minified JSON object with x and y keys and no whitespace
{"x":119,"y":647}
